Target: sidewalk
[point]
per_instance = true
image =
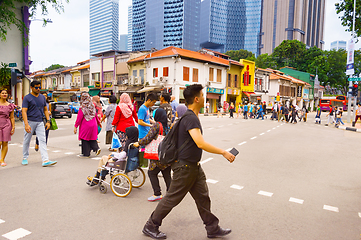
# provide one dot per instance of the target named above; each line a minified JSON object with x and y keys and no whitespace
{"x":348,"y":126}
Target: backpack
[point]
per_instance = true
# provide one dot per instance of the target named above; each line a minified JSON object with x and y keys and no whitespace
{"x":168,"y":148}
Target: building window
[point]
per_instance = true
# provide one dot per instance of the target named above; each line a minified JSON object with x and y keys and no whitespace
{"x":236,"y":81}
{"x":155,"y":72}
{"x":260,"y":84}
{"x":211,"y":74}
{"x":141,"y":75}
{"x":95,"y":76}
{"x":229,"y":79}
{"x":256,"y":84}
{"x":135,"y":73}
{"x":165,"y":72}
{"x":219,"y":75}
{"x":185,"y":73}
{"x":108,"y":76}
{"x":195,"y":75}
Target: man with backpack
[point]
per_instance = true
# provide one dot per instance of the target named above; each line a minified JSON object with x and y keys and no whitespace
{"x":188,"y":175}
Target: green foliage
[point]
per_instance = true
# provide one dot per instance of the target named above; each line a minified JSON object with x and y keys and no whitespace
{"x":53,"y":67}
{"x":5,"y":74}
{"x":241,"y":54}
{"x":345,"y":9}
{"x":289,"y":53}
{"x":266,"y":61}
{"x":8,"y":16}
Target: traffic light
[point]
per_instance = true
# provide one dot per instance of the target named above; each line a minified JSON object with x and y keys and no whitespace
{"x":14,"y":76}
{"x":355,"y":89}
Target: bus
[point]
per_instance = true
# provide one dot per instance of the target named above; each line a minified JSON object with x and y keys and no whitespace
{"x":339,"y":101}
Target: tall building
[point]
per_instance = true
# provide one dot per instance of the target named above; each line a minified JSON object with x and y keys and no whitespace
{"x":302,"y":20}
{"x":104,"y":25}
{"x":130,"y":28}
{"x":231,"y":24}
{"x":123,"y":42}
{"x":337,"y":45}
{"x":162,"y":23}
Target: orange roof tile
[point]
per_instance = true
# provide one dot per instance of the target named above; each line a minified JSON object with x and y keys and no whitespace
{"x":84,"y":66}
{"x":138,"y":59}
{"x":83,"y":62}
{"x":235,"y":63}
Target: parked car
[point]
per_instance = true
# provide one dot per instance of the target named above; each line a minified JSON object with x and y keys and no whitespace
{"x":74,"y":107}
{"x":105,"y":103}
{"x":60,"y":109}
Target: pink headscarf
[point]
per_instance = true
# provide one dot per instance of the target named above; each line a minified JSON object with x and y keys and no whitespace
{"x":125,"y":105}
{"x":87,"y":106}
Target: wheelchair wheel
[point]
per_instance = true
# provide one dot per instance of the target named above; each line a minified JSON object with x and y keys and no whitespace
{"x":102,"y":188}
{"x":137,"y":177}
{"x":121,"y":185}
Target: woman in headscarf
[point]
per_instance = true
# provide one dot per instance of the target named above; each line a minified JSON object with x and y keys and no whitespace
{"x":88,"y":126}
{"x":98,"y":109}
{"x":155,"y":166}
{"x":124,"y":117}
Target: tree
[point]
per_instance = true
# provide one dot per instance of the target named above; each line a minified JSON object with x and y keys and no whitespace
{"x":241,"y":54}
{"x":309,"y":57}
{"x":5,"y":74}
{"x":289,"y":53}
{"x":345,"y":9}
{"x":53,"y":67}
{"x":8,"y":14}
{"x":265,"y":61}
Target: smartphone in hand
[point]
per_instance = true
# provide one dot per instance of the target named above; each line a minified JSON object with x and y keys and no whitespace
{"x":234,"y":151}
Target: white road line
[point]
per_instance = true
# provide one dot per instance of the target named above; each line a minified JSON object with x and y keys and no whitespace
{"x":2,"y":221}
{"x":237,"y":187}
{"x":69,"y":153}
{"x":268,"y":130}
{"x":267,"y":194}
{"x":253,"y":138}
{"x":274,"y":128}
{"x":210,"y":128}
{"x":20,"y":145}
{"x":206,"y":160}
{"x":230,"y":124}
{"x":229,"y":149}
{"x":211,"y":181}
{"x":242,"y":143}
{"x":359,"y":214}
{"x":295,"y":200}
{"x":13,"y":144}
{"x":32,"y":147}
{"x":56,"y":151}
{"x":261,"y":134}
{"x":330,"y":208}
{"x":278,"y":126}
{"x":221,"y":126}
{"x":97,"y":158}
{"x":16,"y":234}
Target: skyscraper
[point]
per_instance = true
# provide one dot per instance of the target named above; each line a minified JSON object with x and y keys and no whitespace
{"x":302,"y":20}
{"x":130,"y":28}
{"x":104,"y":25}
{"x":337,"y":45}
{"x":123,"y":42}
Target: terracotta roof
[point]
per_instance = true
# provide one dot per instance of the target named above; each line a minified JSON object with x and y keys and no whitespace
{"x":67,"y":70}
{"x":274,"y":76}
{"x":266,"y":70}
{"x":83,"y":62}
{"x":235,"y":63}
{"x":138,"y":59}
{"x":84,"y":66}
{"x":174,"y":51}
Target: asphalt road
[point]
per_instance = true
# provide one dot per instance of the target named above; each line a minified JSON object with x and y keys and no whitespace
{"x":290,"y":181}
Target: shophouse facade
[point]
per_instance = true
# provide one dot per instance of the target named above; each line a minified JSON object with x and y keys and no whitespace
{"x":233,"y":84}
{"x":262,"y":85}
{"x":247,"y":84}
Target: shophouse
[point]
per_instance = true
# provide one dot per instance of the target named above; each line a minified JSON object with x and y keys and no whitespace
{"x":262,"y":85}
{"x":233,"y":84}
{"x":247,"y":84}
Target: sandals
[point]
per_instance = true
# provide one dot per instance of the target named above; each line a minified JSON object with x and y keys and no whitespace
{"x":3,"y":164}
{"x":36,"y":147}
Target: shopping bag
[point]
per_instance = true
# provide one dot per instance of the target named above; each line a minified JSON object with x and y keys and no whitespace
{"x":151,"y":150}
{"x":53,"y":125}
{"x":133,"y":159}
{"x":115,"y":142}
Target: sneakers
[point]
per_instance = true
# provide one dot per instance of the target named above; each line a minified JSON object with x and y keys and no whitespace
{"x":49,"y":163}
{"x":92,"y":182}
{"x":82,"y":156}
{"x":98,"y":152}
{"x":24,"y":162}
{"x":155,"y":198}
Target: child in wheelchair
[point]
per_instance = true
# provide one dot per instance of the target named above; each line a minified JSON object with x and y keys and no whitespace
{"x":116,"y":157}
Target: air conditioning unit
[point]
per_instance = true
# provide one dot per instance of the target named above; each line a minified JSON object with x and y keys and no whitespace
{"x":165,"y":79}
{"x":155,"y":80}
{"x":72,"y":84}
{"x":131,"y":80}
{"x":136,"y":80}
{"x":161,"y":79}
{"x":115,"y":82}
{"x":78,"y":84}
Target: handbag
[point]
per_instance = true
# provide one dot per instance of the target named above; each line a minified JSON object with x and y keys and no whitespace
{"x":53,"y":125}
{"x":115,"y":141}
{"x":151,"y":150}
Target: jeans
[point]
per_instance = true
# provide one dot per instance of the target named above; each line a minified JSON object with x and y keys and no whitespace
{"x":154,"y":180}
{"x":339,"y":120}
{"x":46,"y":137}
{"x":39,"y":129}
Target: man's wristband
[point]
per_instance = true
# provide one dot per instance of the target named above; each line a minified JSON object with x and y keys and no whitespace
{"x":48,"y":121}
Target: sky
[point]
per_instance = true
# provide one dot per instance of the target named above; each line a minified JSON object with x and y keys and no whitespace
{"x":65,"y":41}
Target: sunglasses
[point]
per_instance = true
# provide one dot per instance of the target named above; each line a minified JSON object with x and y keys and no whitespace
{"x":37,"y":87}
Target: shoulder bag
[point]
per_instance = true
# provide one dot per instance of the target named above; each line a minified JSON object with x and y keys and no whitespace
{"x":151,"y":150}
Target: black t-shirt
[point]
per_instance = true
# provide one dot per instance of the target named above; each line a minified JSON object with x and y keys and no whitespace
{"x":190,"y":152}
{"x":168,"y":109}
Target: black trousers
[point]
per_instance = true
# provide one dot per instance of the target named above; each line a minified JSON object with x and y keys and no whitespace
{"x":87,"y":146}
{"x":187,"y":178}
{"x":154,"y":180}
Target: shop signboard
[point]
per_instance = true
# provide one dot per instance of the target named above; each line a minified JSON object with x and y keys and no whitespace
{"x":231,"y":91}
{"x":215,"y":90}
{"x":299,"y":91}
{"x":97,"y":84}
{"x":107,"y":84}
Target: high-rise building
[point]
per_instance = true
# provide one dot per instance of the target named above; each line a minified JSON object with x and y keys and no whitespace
{"x":302,"y":20}
{"x":231,"y":24}
{"x":337,"y":45}
{"x":123,"y":42}
{"x":130,"y":28}
{"x":162,"y":23}
{"x":104,"y":25}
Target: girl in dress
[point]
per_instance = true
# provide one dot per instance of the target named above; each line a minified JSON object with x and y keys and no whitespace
{"x":7,"y":124}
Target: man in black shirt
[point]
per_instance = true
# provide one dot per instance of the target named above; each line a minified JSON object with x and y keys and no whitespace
{"x":188,"y":175}
{"x":164,"y":103}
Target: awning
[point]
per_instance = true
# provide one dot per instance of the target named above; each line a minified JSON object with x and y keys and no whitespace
{"x":94,"y":92}
{"x":213,"y":96}
{"x":248,"y":94}
{"x":132,"y":89}
{"x":106,"y":93}
{"x":146,"y":89}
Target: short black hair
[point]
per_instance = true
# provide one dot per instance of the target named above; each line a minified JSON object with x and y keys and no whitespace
{"x":191,"y":92}
{"x":34,"y":83}
{"x":113,"y":99}
{"x":166,"y":97}
{"x":152,"y":97}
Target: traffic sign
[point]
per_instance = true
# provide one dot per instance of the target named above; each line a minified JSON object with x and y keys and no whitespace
{"x":354,"y":79}
{"x":13,"y":65}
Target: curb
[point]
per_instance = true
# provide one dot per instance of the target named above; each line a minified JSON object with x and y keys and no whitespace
{"x":349,"y":128}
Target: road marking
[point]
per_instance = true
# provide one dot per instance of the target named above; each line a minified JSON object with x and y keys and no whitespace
{"x":221,"y":126}
{"x":330,"y":208}
{"x":56,"y":151}
{"x":268,"y":130}
{"x":230,"y":124}
{"x":69,"y":153}
{"x":229,"y":149}
{"x":261,"y":134}
{"x":2,"y":221}
{"x":278,"y":126}
{"x":16,"y":234}
{"x":13,"y":144}
{"x":359,"y":214}
{"x":237,"y":187}
{"x":295,"y":200}
{"x":211,"y":181}
{"x":274,"y":128}
{"x":206,"y":160}
{"x":210,"y":128}
{"x":97,"y":158}
{"x":20,"y":145}
{"x":32,"y":147}
{"x":242,"y":143}
{"x":267,"y":194}
{"x":253,"y":138}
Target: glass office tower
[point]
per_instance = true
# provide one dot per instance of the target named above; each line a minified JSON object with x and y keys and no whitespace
{"x":104,"y":25}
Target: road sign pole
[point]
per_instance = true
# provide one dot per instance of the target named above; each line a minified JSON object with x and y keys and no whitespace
{"x":349,"y":102}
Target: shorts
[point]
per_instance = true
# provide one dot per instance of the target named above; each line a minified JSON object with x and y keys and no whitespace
{"x":109,"y":137}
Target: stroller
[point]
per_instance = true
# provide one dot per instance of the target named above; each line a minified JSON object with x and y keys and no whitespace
{"x":124,"y":174}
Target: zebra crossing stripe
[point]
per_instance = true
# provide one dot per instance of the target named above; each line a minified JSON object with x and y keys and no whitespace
{"x":16,"y":234}
{"x":2,"y":221}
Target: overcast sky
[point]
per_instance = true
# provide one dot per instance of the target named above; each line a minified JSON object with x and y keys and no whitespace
{"x":66,"y":40}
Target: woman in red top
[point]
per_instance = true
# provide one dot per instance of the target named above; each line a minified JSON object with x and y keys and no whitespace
{"x":124,"y":117}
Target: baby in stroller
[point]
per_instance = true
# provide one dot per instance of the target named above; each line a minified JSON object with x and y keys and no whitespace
{"x":121,"y":155}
